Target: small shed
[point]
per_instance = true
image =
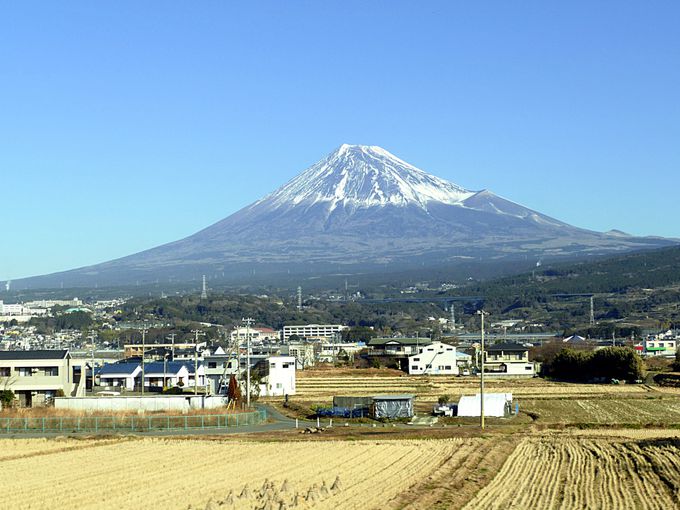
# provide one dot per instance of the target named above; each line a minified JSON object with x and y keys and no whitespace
{"x":353,"y":402}
{"x":392,"y":406}
{"x":495,"y":404}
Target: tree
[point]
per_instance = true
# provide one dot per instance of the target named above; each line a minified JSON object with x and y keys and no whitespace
{"x":6,"y":398}
{"x":234,"y":391}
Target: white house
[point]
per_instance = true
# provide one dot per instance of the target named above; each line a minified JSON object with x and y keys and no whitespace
{"x":160,"y":374}
{"x":436,"y":359}
{"x":280,"y":378}
{"x":120,"y":375}
{"x":660,"y":345}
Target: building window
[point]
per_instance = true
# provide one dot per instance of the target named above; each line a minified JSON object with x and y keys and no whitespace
{"x":272,"y":365}
{"x":25,"y":371}
{"x":212,"y":364}
{"x":528,"y":367}
{"x":5,"y":371}
{"x":416,"y":359}
{"x":447,"y":367}
{"x":415,"y":368}
{"x":51,"y":371}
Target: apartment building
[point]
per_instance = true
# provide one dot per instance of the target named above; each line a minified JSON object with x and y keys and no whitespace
{"x":37,"y":376}
{"x":313,"y":331}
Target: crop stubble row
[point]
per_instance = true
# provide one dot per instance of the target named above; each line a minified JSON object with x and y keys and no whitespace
{"x":565,"y":473}
{"x":160,"y":473}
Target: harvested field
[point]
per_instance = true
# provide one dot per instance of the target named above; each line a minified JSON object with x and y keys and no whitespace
{"x":163,"y":473}
{"x":22,"y":448}
{"x":321,"y":388}
{"x":605,"y":411}
{"x":555,"y":473}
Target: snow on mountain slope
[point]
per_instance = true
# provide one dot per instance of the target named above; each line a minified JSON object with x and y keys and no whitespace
{"x":359,"y":176}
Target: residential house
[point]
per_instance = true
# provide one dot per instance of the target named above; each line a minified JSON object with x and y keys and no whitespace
{"x":279,"y":376}
{"x":120,"y":375}
{"x":508,"y":358}
{"x":400,"y":347}
{"x":37,"y":376}
{"x":434,"y":359}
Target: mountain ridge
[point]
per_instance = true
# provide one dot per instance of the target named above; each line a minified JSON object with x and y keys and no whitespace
{"x":359,"y":207}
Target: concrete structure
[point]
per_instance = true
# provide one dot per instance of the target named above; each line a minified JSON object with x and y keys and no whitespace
{"x":508,"y":358}
{"x":280,"y":377}
{"x":36,"y":377}
{"x":664,"y":344}
{"x":434,"y":359}
{"x":257,"y":335}
{"x":304,"y":353}
{"x":147,"y":403}
{"x":314,"y":331}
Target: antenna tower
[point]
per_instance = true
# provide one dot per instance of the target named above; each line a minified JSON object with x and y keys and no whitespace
{"x":299,"y":298}
{"x":592,"y":310}
{"x":204,"y":291}
{"x":453,"y":316}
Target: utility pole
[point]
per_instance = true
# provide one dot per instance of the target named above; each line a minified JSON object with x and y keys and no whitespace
{"x":143,"y":348}
{"x":197,"y":333}
{"x":482,"y":313}
{"x":248,"y":322}
{"x":171,"y":337}
{"x":93,"y":335}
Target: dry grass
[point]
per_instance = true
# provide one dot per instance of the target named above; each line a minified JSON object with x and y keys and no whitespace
{"x":171,"y":474}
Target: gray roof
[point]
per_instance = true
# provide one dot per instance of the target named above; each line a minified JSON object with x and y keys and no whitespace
{"x":399,"y":341}
{"x":394,"y":397}
{"x":506,"y":346}
{"x":37,"y":354}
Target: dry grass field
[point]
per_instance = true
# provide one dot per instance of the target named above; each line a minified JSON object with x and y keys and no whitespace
{"x":593,"y":469}
{"x":172,"y":473}
{"x":321,"y":386}
{"x":564,"y":473}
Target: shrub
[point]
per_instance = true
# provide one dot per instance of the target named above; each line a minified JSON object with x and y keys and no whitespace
{"x":6,"y":398}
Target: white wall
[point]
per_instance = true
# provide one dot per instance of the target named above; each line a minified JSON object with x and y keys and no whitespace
{"x":155,"y":403}
{"x":436,"y":358}
{"x":281,"y":378}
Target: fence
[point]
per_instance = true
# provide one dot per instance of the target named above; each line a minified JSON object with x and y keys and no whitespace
{"x":132,"y":423}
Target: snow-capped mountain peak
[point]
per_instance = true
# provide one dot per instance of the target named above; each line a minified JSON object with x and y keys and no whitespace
{"x":358,"y":176}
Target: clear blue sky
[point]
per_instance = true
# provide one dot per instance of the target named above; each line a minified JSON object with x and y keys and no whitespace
{"x":125,"y":125}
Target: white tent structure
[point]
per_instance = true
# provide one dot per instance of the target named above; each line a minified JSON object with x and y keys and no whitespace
{"x":495,"y":404}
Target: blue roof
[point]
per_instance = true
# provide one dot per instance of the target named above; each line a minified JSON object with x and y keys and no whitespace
{"x":118,"y":368}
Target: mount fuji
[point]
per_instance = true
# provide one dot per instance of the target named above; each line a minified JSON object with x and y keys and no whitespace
{"x":359,"y":209}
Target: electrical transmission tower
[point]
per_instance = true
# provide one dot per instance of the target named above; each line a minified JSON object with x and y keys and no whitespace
{"x":299,"y":298}
{"x":592,"y":310}
{"x":204,"y":292}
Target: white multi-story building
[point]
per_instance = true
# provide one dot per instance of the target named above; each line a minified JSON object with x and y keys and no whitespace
{"x":660,"y":345}
{"x":313,"y":331}
{"x":37,"y":376}
{"x":280,"y":378}
{"x":257,"y":335}
{"x":12,"y":309}
{"x":434,"y":359}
